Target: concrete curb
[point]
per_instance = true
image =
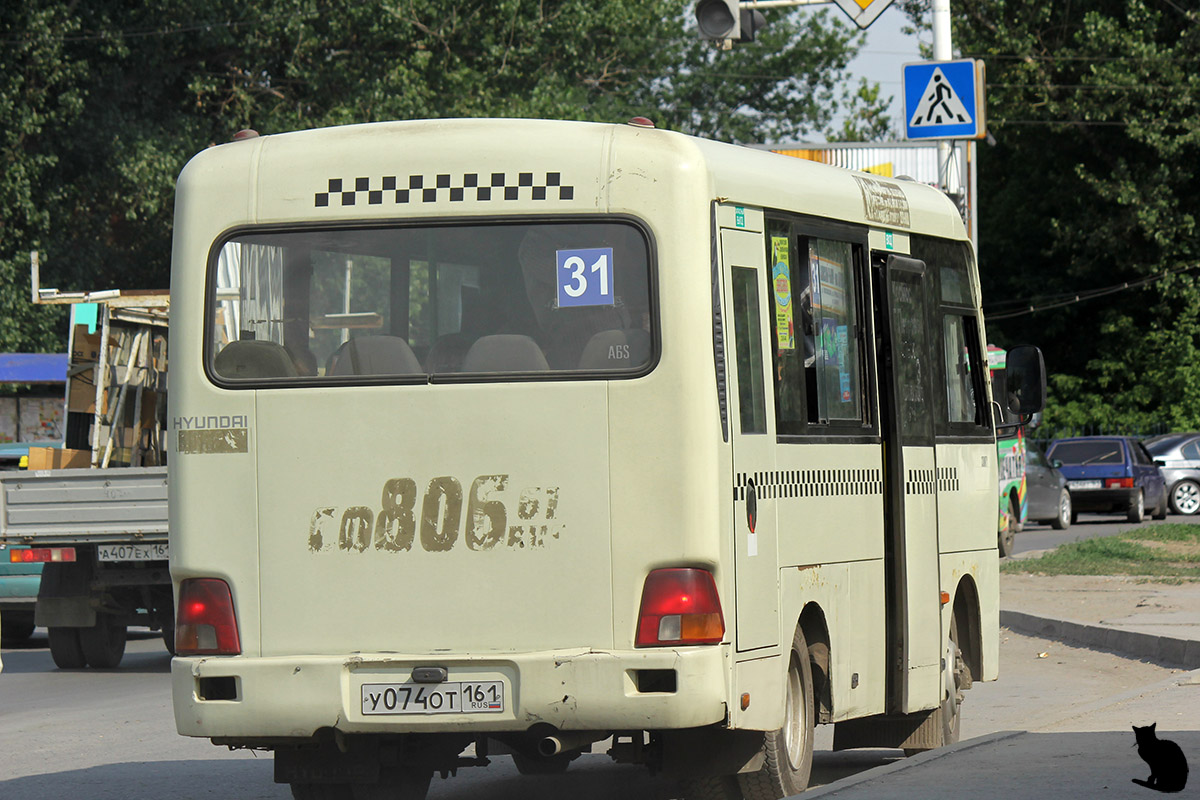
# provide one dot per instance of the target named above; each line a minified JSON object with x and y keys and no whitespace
{"x":1161,"y":649}
{"x":831,"y":789}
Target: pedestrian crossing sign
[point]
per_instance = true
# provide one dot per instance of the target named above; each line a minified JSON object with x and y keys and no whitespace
{"x":944,"y":100}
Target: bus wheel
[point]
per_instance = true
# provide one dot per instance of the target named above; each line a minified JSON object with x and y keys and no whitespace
{"x":788,"y":750}
{"x":956,"y":670}
{"x":1007,"y":535}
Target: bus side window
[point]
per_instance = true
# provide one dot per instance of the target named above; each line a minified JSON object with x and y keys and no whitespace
{"x":746,"y":331}
{"x":793,"y":344}
{"x":829,"y":308}
{"x":960,"y":390}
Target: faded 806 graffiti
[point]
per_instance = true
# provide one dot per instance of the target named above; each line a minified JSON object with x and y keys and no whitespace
{"x":490,"y":509}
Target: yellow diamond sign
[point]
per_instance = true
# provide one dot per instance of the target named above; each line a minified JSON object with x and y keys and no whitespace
{"x":863,"y":12}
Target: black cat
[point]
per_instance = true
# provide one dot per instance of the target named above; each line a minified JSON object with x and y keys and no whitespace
{"x":1168,"y":767}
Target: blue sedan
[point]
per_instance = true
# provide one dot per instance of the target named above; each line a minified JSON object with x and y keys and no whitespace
{"x":1111,"y":474}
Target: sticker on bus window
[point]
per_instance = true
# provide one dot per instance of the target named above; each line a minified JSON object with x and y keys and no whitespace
{"x":585,"y":277}
{"x":781,"y":287}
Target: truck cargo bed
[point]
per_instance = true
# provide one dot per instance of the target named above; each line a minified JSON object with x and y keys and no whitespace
{"x":71,"y":506}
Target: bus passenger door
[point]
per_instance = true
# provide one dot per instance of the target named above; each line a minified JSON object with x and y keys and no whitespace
{"x":756,"y":571}
{"x":905,"y":352}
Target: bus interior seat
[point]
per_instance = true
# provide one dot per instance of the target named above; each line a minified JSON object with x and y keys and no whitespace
{"x":377,"y":354}
{"x":505,"y":352}
{"x":250,"y":358}
{"x":616,"y":349}
{"x":448,"y":352}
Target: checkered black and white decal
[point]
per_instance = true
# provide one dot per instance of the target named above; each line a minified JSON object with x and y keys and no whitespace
{"x":811,"y":483}
{"x":921,"y":481}
{"x":472,"y":186}
{"x":948,"y":479}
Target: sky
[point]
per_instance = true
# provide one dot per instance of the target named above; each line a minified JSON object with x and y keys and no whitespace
{"x":881,"y":59}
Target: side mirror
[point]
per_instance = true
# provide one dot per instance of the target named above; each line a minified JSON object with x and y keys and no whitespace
{"x":1056,"y":464}
{"x":1160,"y":463}
{"x":1026,"y":384}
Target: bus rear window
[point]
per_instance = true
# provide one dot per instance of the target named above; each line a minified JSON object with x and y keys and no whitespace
{"x":413,"y":304}
{"x":1103,"y":451}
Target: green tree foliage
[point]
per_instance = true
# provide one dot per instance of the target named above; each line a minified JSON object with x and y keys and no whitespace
{"x":104,"y":101}
{"x":1091,"y":183}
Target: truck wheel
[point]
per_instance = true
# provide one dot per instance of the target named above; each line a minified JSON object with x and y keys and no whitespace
{"x":321,"y":791}
{"x":104,"y":643}
{"x":1137,"y":507}
{"x":65,"y":648}
{"x":789,"y":750}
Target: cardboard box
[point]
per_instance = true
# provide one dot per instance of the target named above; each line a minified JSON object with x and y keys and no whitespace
{"x":58,"y":458}
{"x":82,"y":392}
{"x":85,"y":347}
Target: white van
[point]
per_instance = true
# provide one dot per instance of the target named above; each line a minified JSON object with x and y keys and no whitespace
{"x":515,"y":436}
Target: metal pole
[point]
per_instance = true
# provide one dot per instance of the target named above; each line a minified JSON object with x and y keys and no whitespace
{"x":942,"y":51}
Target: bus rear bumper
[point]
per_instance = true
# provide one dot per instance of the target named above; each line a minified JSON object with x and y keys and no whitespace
{"x":238,"y":697}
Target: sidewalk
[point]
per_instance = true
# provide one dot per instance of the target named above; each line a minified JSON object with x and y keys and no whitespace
{"x":1145,"y":621}
{"x":1153,"y":621}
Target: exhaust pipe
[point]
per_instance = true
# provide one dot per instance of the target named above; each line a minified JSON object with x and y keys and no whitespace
{"x":549,"y":746}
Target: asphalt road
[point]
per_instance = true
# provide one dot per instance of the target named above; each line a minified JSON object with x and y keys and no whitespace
{"x":110,"y":734}
{"x":1042,"y":537}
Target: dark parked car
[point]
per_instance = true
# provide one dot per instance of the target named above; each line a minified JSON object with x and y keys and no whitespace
{"x":1047,"y":498}
{"x":1111,"y":473}
{"x":1180,"y":457}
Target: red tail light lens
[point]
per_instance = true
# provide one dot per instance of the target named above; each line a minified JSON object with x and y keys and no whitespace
{"x":205,"y":624}
{"x":1118,"y":483}
{"x":680,"y":606}
{"x":41,"y":555}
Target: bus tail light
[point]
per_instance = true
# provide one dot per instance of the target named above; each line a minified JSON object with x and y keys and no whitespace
{"x":1118,"y":483}
{"x":680,"y":606}
{"x":206,"y":624}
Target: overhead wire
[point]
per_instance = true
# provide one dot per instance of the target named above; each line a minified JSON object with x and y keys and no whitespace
{"x":1071,"y":298}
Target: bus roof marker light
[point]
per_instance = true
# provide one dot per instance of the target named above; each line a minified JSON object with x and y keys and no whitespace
{"x":641,"y":122}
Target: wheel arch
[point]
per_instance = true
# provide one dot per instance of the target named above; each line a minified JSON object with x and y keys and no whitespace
{"x":813,"y":625}
{"x":965,"y":618}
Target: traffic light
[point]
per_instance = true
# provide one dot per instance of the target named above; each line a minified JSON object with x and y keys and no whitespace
{"x":724,"y":21}
{"x":719,"y":19}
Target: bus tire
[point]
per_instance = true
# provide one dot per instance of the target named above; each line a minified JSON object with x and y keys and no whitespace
{"x":713,"y":787}
{"x":952,"y":698}
{"x":788,"y":750}
{"x":1007,"y":537}
{"x":65,"y":648}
